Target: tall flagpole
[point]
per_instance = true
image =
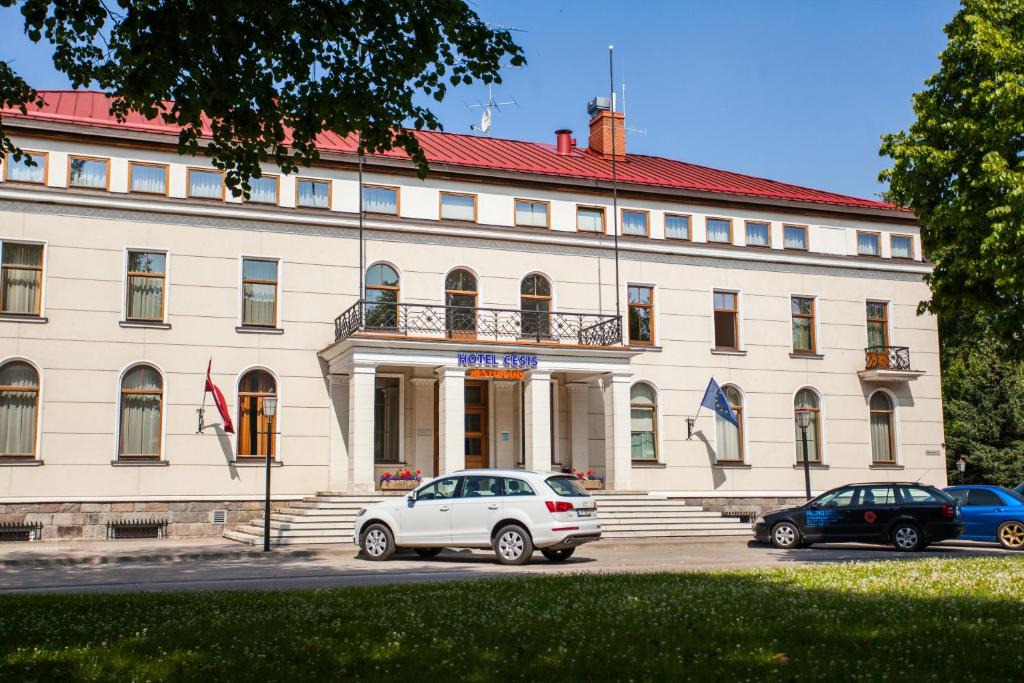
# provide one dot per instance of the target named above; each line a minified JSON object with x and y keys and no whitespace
{"x":615,"y":187}
{"x":361,"y":282}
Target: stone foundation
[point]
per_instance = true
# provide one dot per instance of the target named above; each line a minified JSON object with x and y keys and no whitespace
{"x":185,"y":519}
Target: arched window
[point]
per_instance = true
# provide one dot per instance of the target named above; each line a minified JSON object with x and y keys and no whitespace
{"x":730,"y":436}
{"x":142,"y":400}
{"x":535,"y":302}
{"x":19,"y":407}
{"x":255,"y":429}
{"x":381,"y":297}
{"x":806,"y":401}
{"x":460,"y":303}
{"x":643,"y":407}
{"x":883,"y":432}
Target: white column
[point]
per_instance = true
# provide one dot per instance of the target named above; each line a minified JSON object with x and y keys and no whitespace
{"x":617,"y":457}
{"x":579,"y":424}
{"x":537,"y":409}
{"x":360,"y":427}
{"x":338,"y":469}
{"x":423,"y":425}
{"x":504,"y":423}
{"x":451,"y":420}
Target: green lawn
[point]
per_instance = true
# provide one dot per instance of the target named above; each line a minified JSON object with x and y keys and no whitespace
{"x":908,"y":621}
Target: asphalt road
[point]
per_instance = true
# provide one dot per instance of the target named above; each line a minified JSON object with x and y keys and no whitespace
{"x":339,"y":566}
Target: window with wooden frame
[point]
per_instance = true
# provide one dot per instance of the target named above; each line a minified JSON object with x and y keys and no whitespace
{"x":381,"y":292}
{"x":532,"y":213}
{"x":256,"y":431}
{"x":635,"y":222}
{"x":878,"y":334}
{"x":535,"y":305}
{"x":21,"y":279}
{"x":313,"y":194}
{"x":729,"y":436}
{"x":806,"y":401}
{"x":758,"y":234}
{"x":794,"y":237}
{"x":590,"y":219}
{"x":677,"y":226}
{"x":264,"y":190}
{"x":145,"y":286}
{"x":387,"y":412}
{"x":643,"y":432}
{"x":727,"y":323}
{"x":141,"y":419}
{"x":19,"y":411}
{"x":640,"y":300}
{"x":89,"y":172}
{"x":259,"y":292}
{"x":205,"y":183}
{"x":381,"y":199}
{"x":719,"y":230}
{"x":19,"y":170}
{"x":868,"y":243}
{"x":804,"y":338}
{"x":883,"y":429}
{"x":901,"y":246}
{"x":146,"y":178}
{"x":456,"y":206}
{"x":460,"y":303}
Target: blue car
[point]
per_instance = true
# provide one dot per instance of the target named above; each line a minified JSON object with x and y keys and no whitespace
{"x":991,"y":513}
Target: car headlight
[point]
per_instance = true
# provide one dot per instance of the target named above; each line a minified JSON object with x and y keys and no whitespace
{"x":362,"y":511}
{"x":759,"y":521}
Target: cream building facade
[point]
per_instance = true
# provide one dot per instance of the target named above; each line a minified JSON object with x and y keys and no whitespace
{"x":485,"y":333}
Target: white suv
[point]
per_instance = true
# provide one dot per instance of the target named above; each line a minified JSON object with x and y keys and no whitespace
{"x":510,"y":511}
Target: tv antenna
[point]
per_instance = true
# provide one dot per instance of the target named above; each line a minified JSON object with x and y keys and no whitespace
{"x":486,"y":108}
{"x":628,"y":128}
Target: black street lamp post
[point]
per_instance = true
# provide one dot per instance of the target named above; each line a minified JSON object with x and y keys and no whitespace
{"x":961,"y":465}
{"x":803,"y":421}
{"x":269,"y":410}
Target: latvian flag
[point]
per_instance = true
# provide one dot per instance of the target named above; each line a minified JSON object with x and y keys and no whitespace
{"x":218,"y":398}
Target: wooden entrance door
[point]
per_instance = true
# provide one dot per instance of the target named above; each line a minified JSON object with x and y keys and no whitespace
{"x":476,"y":424}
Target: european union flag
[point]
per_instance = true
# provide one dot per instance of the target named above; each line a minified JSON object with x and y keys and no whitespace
{"x":715,"y":399}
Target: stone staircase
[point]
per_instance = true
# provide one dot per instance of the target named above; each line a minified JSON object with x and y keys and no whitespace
{"x":329,"y":518}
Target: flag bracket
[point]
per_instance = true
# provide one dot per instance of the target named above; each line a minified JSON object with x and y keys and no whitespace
{"x":202,"y":425}
{"x":690,"y":421}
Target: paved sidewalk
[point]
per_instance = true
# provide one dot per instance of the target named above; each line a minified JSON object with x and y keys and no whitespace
{"x":97,"y":552}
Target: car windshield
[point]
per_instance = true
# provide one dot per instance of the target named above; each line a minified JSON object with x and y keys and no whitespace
{"x":567,"y":486}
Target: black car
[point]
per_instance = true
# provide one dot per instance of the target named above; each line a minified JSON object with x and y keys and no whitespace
{"x":910,"y":516}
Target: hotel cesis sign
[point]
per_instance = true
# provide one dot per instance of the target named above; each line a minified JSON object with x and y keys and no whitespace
{"x":497,"y":365}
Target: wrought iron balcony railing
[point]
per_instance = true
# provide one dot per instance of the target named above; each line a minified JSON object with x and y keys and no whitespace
{"x":887,"y":358}
{"x":462,"y":322}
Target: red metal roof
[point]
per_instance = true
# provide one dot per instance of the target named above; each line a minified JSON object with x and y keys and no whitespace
{"x":90,"y":108}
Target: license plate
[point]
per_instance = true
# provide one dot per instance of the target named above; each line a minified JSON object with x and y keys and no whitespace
{"x":585,"y":512}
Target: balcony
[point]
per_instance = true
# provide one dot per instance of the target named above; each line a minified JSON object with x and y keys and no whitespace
{"x":460,"y":323}
{"x":888,"y":364}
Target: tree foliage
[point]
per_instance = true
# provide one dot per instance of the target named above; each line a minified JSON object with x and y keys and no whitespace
{"x":268,"y":76}
{"x":960,"y":167}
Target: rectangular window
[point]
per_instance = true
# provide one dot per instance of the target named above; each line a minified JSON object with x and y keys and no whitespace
{"x":379,"y":199}
{"x":868,"y":244}
{"x":759,"y":234}
{"x":677,"y":226}
{"x":386,"y":413}
{"x":263,"y":190}
{"x":641,"y":314}
{"x":727,"y":331}
{"x":204,"y":184}
{"x":794,"y":237}
{"x":144,"y":300}
{"x":147,"y":178}
{"x":719,"y":230}
{"x":91,"y":173}
{"x":634,"y":223}
{"x":19,"y":170}
{"x":458,"y":207}
{"x":878,"y":323}
{"x":259,"y":292}
{"x":315,"y":194}
{"x":902,"y":246}
{"x":531,"y":214}
{"x":589,"y":219}
{"x":21,"y":281}
{"x":803,"y":324}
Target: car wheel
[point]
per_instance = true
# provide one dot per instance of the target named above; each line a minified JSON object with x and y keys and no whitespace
{"x":513,"y":545}
{"x":1011,"y":535}
{"x":378,"y":543}
{"x":907,"y":538}
{"x":558,"y":555}
{"x":785,"y":535}
{"x":428,"y":552}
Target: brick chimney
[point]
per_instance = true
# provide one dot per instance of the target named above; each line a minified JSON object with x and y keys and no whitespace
{"x":601,"y":117}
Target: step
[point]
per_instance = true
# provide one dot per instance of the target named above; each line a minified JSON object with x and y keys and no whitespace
{"x":285,"y":525}
{"x":258,"y":540}
{"x":640,"y":514}
{"x":354,"y":507}
{"x":286,"y":530}
{"x":613,"y":535}
{"x":603,"y":506}
{"x":363,"y":500}
{"x":321,"y":519}
{"x":674,"y":526}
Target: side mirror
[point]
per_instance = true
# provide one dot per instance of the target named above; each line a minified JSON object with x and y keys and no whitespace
{"x":411,"y":497}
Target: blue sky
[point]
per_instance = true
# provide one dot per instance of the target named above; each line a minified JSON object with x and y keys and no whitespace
{"x":794,"y":90}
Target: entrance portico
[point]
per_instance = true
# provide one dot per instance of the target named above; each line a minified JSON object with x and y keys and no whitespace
{"x":410,"y":404}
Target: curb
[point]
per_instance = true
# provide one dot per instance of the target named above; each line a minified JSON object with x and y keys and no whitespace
{"x":99,"y":560}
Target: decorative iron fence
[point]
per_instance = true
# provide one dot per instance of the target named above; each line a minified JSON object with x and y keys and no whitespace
{"x":20,"y":531}
{"x":137,"y":528}
{"x":887,"y":358}
{"x":462,"y":322}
